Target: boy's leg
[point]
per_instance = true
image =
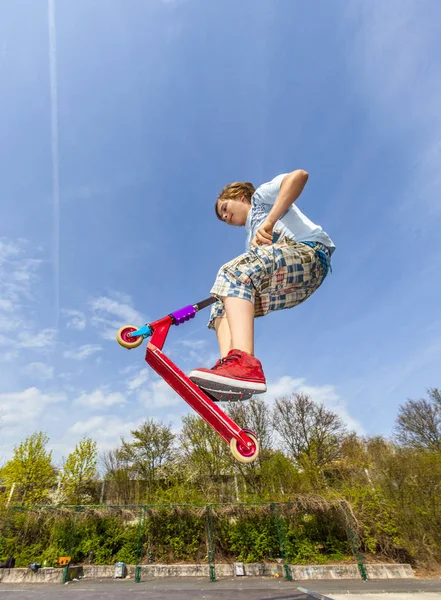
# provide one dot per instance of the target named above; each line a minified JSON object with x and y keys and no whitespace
{"x":240,"y":316}
{"x":258,"y":282}
{"x":233,"y":314}
{"x":238,"y":375}
{"x":219,"y":322}
{"x":223,"y":335}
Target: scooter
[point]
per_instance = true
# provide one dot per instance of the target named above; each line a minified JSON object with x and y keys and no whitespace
{"x":243,"y":443}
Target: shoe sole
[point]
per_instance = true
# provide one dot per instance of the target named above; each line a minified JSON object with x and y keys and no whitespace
{"x":222,"y":396}
{"x":223,"y":386}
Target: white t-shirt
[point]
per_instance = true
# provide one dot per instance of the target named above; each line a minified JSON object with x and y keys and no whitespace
{"x":293,"y":224}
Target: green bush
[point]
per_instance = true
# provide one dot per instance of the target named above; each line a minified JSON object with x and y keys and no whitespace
{"x":316,"y":538}
{"x":252,"y":538}
{"x":175,"y":534}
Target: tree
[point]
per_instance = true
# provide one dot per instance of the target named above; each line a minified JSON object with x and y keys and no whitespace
{"x":116,"y":471}
{"x":280,"y":479}
{"x":79,"y":473}
{"x":352,"y":466}
{"x":31,"y":469}
{"x":149,"y":452}
{"x":254,"y":415}
{"x":311,"y":434}
{"x":418,"y":424}
{"x":207,"y":455}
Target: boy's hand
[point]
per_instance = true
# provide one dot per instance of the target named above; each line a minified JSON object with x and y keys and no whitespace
{"x":264,"y":235}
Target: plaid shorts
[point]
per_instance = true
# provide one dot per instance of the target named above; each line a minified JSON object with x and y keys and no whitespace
{"x":272,"y":277}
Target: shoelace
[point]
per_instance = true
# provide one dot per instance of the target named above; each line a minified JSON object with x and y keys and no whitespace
{"x":227,"y":359}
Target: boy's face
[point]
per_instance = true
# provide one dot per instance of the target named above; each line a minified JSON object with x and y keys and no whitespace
{"x":234,"y":212}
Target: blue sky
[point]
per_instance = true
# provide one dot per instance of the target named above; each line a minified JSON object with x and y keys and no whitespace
{"x":119,"y":124}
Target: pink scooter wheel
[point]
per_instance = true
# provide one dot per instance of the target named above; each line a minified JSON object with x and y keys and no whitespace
{"x":128,"y":342}
{"x":243,"y":453}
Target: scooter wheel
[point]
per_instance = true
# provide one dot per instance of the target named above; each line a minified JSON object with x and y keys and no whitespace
{"x":243,"y":453}
{"x":128,"y":342}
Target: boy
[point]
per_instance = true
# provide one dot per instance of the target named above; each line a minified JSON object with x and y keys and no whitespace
{"x":287,"y":259}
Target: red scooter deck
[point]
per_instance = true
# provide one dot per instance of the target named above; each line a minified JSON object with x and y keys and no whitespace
{"x":243,"y":443}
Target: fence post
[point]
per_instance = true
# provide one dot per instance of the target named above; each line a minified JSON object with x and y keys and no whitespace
{"x":280,"y":528}
{"x":65,"y":574}
{"x":210,"y":541}
{"x":141,"y":525}
{"x":354,"y":540}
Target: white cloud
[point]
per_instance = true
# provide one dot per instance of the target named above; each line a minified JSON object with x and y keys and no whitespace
{"x":76,"y":319}
{"x":159,"y":394}
{"x":27,"y":339}
{"x":284,"y":386}
{"x":109,"y":314}
{"x":40,"y":370}
{"x":6,"y":305}
{"x":42,"y":339}
{"x":83,"y":352}
{"x":99,"y":399}
{"x":18,"y":287}
{"x":19,"y":410}
{"x":105,"y":430}
{"x":18,"y":273}
{"x":196,"y":353}
{"x":322,"y":394}
{"x":139,"y":380}
{"x":9,"y":356}
{"x":8,"y":250}
{"x":8,"y":323}
{"x":129,"y":370}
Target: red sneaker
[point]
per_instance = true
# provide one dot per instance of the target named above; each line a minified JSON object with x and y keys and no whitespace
{"x":236,"y":377}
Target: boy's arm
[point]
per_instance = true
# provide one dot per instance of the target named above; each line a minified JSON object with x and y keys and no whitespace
{"x":290,"y":189}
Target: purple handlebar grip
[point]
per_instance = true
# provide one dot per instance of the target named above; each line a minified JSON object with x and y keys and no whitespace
{"x":183,"y":314}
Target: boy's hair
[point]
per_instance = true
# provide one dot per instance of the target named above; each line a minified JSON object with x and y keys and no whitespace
{"x":234,"y":191}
